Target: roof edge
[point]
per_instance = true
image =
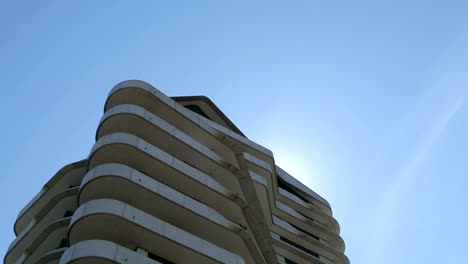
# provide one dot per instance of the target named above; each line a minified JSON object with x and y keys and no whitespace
{"x":213,"y":106}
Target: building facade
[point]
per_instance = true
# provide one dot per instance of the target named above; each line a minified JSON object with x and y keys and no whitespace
{"x":173,"y":180}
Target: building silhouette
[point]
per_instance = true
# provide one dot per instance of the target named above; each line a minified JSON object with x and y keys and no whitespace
{"x":173,"y":180}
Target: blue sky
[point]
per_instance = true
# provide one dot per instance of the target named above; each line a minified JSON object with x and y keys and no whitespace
{"x":364,"y":101}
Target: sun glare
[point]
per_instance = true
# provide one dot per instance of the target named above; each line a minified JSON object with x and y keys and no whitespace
{"x":299,"y":166}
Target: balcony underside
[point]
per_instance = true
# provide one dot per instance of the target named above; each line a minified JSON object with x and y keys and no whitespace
{"x":131,"y":151}
{"x":120,"y":182}
{"x":115,"y":221}
{"x":51,"y":212}
{"x":68,"y":175}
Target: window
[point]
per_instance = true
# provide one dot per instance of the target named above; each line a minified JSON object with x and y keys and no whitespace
{"x":304,"y":231}
{"x":311,"y":219}
{"x":63,"y":243}
{"x":67,"y":213}
{"x":158,"y":258}
{"x":196,"y":109}
{"x":288,"y":261}
{"x":284,"y":185}
{"x":300,"y":247}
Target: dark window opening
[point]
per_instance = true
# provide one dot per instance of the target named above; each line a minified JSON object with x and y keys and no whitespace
{"x":283,"y":185}
{"x":288,"y":261}
{"x":197,"y":109}
{"x":300,"y":247}
{"x":63,"y":243}
{"x":159,"y":258}
{"x":306,"y":232}
{"x":311,"y":219}
{"x":68,"y":213}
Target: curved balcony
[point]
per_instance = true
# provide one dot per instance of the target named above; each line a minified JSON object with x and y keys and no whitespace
{"x":145,"y":95}
{"x":52,"y":257}
{"x":50,"y":212}
{"x":333,"y":250}
{"x":120,"y":182}
{"x":101,"y":251}
{"x":132,"y":151}
{"x":70,"y":174}
{"x":313,"y":197}
{"x":48,"y":239}
{"x":322,"y":248}
{"x":306,"y":209}
{"x":333,"y":239}
{"x":99,"y":219}
{"x":262,"y":193}
{"x":297,"y":254}
{"x":262,"y":172}
{"x":139,"y":122}
{"x":258,"y":162}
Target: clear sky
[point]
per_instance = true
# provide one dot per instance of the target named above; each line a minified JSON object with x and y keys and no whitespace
{"x":363,"y":101}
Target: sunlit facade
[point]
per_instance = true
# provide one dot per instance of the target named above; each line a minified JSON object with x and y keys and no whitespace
{"x":173,"y":180}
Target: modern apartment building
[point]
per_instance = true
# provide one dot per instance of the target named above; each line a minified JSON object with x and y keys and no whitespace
{"x":173,"y":180}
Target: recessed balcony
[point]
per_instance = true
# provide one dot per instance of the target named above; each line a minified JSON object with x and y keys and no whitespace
{"x":308,"y":240}
{"x":48,"y":239}
{"x":52,"y":211}
{"x":292,"y":216}
{"x":69,"y":175}
{"x":297,"y":253}
{"x":52,"y":257}
{"x":308,"y":210}
{"x":304,"y":191}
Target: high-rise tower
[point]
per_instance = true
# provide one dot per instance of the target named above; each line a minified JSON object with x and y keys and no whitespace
{"x":173,"y":180}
